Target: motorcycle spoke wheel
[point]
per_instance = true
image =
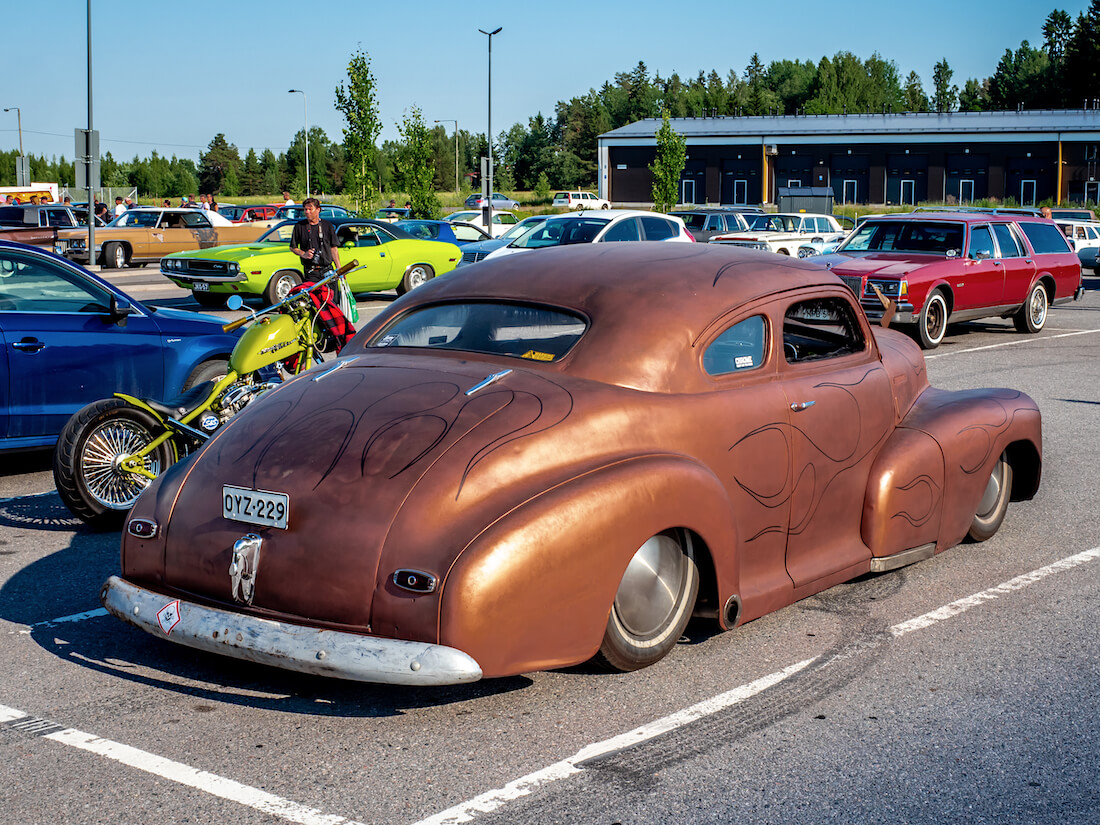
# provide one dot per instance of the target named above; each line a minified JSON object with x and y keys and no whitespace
{"x":106,"y":447}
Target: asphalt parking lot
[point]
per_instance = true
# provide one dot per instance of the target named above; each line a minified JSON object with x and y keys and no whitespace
{"x":962,"y":688}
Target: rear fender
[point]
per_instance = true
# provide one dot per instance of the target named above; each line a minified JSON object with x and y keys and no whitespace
{"x":535,"y":588}
{"x":973,"y":428}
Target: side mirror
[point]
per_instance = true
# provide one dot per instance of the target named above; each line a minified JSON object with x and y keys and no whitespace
{"x":120,"y":310}
{"x":980,"y":255}
{"x":235,"y":302}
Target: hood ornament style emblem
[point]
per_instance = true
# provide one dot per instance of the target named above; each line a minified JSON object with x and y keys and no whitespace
{"x":243,"y":568}
{"x":492,"y":379}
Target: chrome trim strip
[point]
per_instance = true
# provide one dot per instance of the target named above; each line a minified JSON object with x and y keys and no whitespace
{"x":492,"y":379}
{"x":289,"y":646}
{"x":905,"y":557}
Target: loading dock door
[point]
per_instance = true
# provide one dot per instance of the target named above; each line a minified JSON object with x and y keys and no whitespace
{"x":908,"y":192}
{"x":1027,"y":193}
{"x":966,"y":191}
{"x":851,"y":192}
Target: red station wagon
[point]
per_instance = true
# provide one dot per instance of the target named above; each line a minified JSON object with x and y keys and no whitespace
{"x":943,"y":268}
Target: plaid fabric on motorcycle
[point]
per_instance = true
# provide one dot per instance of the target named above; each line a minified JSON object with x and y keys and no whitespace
{"x":334,"y":321}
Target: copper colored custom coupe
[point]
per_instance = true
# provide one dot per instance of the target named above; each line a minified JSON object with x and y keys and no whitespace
{"x":563,"y":456}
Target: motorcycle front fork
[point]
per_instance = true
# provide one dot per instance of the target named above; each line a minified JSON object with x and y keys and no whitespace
{"x":135,"y":463}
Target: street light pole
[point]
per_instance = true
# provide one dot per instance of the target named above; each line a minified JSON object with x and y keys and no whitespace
{"x":305,"y":118}
{"x":19,"y":119}
{"x":455,"y":122}
{"x":489,"y":131}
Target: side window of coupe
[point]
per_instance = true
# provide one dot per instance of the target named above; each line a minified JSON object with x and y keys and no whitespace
{"x":820,"y":328}
{"x":195,"y":220}
{"x":981,"y":243}
{"x":740,"y":348}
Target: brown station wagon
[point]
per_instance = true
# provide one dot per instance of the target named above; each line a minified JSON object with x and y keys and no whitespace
{"x":940,"y":269}
{"x":145,"y":235}
{"x":562,"y":457}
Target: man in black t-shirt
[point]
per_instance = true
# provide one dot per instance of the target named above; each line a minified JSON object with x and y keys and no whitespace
{"x":314,"y":241}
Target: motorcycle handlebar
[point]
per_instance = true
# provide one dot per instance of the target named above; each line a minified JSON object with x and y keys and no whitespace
{"x":240,"y":322}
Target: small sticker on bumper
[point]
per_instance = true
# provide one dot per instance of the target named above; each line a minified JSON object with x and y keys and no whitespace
{"x":169,"y":616}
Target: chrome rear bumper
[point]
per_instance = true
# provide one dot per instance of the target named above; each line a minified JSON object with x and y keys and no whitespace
{"x":289,"y":646}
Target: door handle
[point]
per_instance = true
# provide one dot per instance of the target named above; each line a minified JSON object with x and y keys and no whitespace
{"x":799,"y":406}
{"x":28,"y":345}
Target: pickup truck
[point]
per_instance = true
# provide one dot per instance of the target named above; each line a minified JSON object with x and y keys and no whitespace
{"x":784,"y":232}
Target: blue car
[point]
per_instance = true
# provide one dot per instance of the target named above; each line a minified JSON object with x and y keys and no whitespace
{"x":68,"y":338}
{"x":457,"y":232}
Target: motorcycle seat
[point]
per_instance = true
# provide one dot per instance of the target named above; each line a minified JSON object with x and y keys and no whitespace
{"x":185,"y":402}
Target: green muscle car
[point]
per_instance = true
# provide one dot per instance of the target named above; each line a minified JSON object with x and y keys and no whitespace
{"x":389,"y":258}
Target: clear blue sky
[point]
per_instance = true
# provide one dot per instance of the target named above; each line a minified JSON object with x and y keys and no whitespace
{"x":169,"y":76}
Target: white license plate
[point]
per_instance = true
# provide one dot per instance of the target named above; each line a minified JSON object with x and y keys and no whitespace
{"x":200,"y":286}
{"x":255,"y":506}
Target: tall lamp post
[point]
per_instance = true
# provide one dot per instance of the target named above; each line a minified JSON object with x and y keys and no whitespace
{"x":305,"y":118}
{"x":19,"y":119}
{"x":455,"y":122}
{"x":489,"y":132}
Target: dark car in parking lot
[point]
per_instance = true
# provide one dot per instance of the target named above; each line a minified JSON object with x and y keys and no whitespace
{"x":704,"y":224}
{"x":67,"y":338}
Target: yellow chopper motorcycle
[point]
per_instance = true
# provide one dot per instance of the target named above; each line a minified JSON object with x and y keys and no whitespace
{"x":111,"y":450}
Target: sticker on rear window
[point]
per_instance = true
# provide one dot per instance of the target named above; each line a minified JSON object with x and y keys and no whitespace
{"x":538,"y":356}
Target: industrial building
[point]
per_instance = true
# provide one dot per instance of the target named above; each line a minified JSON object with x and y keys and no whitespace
{"x":1026,"y":156}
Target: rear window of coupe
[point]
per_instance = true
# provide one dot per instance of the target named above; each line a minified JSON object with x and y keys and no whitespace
{"x":493,"y":328}
{"x":1045,"y":238}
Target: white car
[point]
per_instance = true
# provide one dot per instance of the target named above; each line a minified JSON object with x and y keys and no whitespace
{"x":580,"y":200}
{"x":502,"y":221}
{"x":784,"y":232}
{"x":1084,"y":237}
{"x":599,"y":227}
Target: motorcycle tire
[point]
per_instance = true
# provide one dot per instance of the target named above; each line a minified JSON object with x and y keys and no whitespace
{"x":85,"y":461}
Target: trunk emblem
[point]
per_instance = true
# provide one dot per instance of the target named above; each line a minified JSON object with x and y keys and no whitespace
{"x":243,"y":568}
{"x":492,"y":379}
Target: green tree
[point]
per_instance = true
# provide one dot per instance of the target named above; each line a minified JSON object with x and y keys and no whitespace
{"x":358,"y":102}
{"x":974,"y":97}
{"x":1082,"y":60}
{"x":915,"y":98}
{"x":668,"y":165}
{"x":1021,"y":79}
{"x":220,"y":155}
{"x":252,"y":175}
{"x":946,"y":95}
{"x":415,"y":167}
{"x":542,"y":189}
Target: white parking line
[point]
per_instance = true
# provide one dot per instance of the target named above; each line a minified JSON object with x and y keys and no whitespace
{"x":492,"y":800}
{"x":1017,"y":342}
{"x":185,"y":775}
{"x":496,"y":799}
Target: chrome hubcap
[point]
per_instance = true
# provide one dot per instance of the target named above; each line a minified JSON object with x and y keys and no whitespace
{"x":101,"y":463}
{"x":417,"y":276}
{"x":283,"y":287}
{"x":1038,"y":307}
{"x":992,"y":493}
{"x":650,"y":589}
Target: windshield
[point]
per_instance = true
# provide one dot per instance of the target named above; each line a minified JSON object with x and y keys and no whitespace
{"x":518,"y":330}
{"x":561,"y":231}
{"x":929,"y":237}
{"x":775,"y":223}
{"x":420,"y":229}
{"x":692,"y":220}
{"x":278,"y":234}
{"x":463,"y":216}
{"x":522,"y":228}
{"x":136,"y":218}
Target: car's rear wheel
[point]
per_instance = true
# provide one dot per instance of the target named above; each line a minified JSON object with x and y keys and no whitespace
{"x":932,"y":323}
{"x":280,"y":285}
{"x":1032,"y":316}
{"x":994,"y":503}
{"x":606,"y":206}
{"x":653,"y":604}
{"x":115,"y":255}
{"x":417,"y":275}
{"x":213,"y":370}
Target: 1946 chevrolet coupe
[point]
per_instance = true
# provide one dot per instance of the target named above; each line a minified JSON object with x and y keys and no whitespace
{"x":564,"y":456}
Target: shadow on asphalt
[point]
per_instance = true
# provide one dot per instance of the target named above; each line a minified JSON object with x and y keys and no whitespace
{"x":67,"y":583}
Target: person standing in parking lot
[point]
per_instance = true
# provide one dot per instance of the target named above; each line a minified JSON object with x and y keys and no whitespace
{"x":314,"y":241}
